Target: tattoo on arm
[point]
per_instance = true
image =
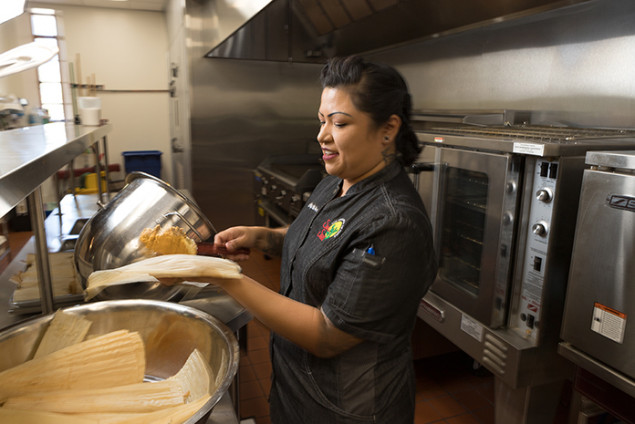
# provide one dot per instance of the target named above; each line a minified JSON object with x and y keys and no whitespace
{"x":273,"y":243}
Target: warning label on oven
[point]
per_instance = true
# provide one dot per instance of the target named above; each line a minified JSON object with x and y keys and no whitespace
{"x":608,"y":322}
{"x":529,"y":148}
{"x":472,"y":327}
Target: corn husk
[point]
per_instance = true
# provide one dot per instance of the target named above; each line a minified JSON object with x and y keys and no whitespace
{"x":116,"y":358}
{"x":172,"y":415}
{"x":20,"y":416}
{"x":180,"y":266}
{"x":64,"y":280}
{"x":140,"y":397}
{"x":64,"y":330}
{"x":189,"y":384}
{"x":194,"y":376}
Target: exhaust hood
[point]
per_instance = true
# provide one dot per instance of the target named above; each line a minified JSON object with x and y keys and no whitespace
{"x":314,"y":30}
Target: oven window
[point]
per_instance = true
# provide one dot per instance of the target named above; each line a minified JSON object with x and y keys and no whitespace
{"x":463,"y":228}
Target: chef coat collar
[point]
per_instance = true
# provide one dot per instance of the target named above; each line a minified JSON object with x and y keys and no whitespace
{"x":387,"y":173}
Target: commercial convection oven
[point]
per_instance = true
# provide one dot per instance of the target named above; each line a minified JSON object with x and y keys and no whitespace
{"x":502,"y":195}
{"x":596,"y":333}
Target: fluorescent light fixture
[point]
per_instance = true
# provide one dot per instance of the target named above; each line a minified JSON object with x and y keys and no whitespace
{"x":25,"y":57}
{"x":10,"y":9}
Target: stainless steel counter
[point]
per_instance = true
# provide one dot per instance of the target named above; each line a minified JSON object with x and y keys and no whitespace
{"x":31,"y":155}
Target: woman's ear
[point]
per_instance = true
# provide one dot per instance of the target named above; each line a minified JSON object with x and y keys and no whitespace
{"x":391,"y":128}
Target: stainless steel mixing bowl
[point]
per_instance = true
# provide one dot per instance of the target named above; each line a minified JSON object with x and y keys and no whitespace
{"x":110,"y":238}
{"x":170,"y":332}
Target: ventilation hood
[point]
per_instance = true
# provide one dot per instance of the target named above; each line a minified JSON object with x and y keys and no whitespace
{"x":314,"y":30}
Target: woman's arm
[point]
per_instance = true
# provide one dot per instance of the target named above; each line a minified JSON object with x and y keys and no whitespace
{"x":302,"y":324}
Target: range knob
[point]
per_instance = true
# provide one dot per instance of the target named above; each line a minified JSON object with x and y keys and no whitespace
{"x":540,"y":228}
{"x":544,"y":195}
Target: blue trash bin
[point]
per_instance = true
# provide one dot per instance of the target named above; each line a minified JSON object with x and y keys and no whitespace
{"x":148,"y":161}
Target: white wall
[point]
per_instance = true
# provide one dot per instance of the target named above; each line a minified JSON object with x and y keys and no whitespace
{"x":125,"y":50}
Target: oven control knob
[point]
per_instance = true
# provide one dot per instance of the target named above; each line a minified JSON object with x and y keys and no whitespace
{"x":540,"y":228}
{"x":511,"y":187}
{"x":544,"y":195}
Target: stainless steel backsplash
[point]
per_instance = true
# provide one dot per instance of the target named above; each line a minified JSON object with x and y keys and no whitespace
{"x":574,"y":66}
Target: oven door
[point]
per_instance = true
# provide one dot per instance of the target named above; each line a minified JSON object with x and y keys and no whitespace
{"x":472,"y":198}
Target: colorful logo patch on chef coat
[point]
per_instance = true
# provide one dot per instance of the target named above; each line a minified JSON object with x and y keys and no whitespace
{"x":330,"y":229}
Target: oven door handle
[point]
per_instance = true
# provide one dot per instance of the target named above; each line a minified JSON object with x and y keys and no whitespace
{"x":436,"y":189}
{"x":419,"y":167}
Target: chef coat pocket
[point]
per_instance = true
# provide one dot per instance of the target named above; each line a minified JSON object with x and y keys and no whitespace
{"x":371,"y":259}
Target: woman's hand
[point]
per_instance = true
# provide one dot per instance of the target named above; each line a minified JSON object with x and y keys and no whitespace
{"x":235,"y":242}
{"x":268,"y":240}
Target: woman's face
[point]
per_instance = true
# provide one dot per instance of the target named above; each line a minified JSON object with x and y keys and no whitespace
{"x":353,"y":147}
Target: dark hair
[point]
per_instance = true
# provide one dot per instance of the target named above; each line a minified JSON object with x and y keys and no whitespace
{"x":378,"y":90}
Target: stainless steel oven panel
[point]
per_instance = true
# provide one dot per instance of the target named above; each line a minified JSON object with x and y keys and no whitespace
{"x":545,"y":239}
{"x":600,"y":298}
{"x":508,"y":356}
{"x":472,"y":199}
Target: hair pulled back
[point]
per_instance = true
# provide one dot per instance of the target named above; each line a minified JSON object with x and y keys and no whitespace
{"x":378,"y":90}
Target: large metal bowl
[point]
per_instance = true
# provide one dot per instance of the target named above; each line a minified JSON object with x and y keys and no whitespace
{"x":170,"y":332}
{"x":110,"y":238}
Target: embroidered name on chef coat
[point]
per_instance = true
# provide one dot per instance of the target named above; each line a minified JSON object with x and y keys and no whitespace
{"x":312,"y":206}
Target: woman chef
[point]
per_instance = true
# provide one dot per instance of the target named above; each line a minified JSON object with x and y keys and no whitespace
{"x":355,"y":262}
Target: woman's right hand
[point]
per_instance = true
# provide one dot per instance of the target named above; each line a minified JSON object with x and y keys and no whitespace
{"x":233,"y":239}
{"x":236,"y":242}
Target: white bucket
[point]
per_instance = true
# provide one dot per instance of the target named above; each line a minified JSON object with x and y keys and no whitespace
{"x":89,"y":110}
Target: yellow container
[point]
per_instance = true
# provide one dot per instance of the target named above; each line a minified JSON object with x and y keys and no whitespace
{"x":90,"y":184}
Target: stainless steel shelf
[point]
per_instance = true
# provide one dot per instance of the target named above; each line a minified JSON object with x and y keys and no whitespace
{"x":31,"y":155}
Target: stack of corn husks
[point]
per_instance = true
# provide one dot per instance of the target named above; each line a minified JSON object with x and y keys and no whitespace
{"x":99,"y":380}
{"x":63,"y":278}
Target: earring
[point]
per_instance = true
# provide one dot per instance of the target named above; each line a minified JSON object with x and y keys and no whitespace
{"x":386,"y":138}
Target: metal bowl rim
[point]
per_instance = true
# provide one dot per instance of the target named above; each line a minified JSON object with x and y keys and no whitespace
{"x":229,"y":336}
{"x":139,"y":174}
